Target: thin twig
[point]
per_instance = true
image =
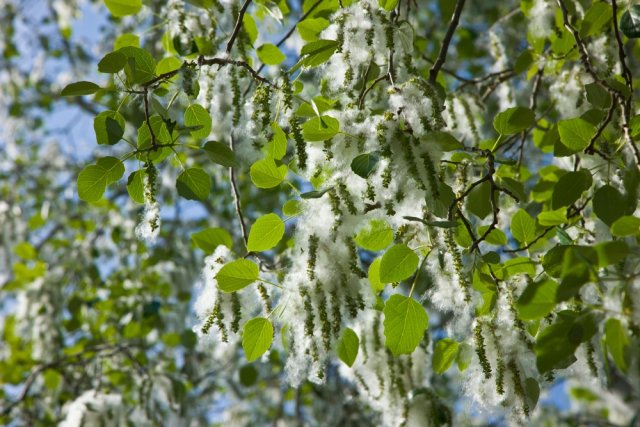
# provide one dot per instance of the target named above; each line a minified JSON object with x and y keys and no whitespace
{"x":236,"y":29}
{"x":239,"y":63}
{"x":236,"y":199}
{"x":442,"y":56}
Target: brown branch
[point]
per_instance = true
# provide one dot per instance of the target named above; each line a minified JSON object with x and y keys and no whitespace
{"x":236,"y":198}
{"x":236,"y":29}
{"x":442,"y":56}
{"x":238,"y":63}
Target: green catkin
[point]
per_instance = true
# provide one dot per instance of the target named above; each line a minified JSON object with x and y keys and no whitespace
{"x":478,"y":339}
{"x":315,"y":353}
{"x":386,"y":176}
{"x":324,"y":317}
{"x":457,"y":264}
{"x":346,"y":198}
{"x":432,"y":177}
{"x":236,"y":308}
{"x":517,"y":385}
{"x":334,"y":200}
{"x":470,"y":120}
{"x":518,"y":324}
{"x":352,"y":306}
{"x":335,"y":313}
{"x":308,"y":309}
{"x":237,"y":94}
{"x":219,"y":320}
{"x":362,"y":382}
{"x":287,"y":92}
{"x":377,"y":341}
{"x":500,"y":376}
{"x":313,"y":254}
{"x":151,"y":174}
{"x":326,"y":148}
{"x":437,"y":104}
{"x":389,"y":208}
{"x":410,"y":159}
{"x":370,"y":192}
{"x":591,"y":362}
{"x":208,"y":323}
{"x":354,"y":264}
{"x":300,"y":145}
{"x":361,"y":143}
{"x":348,"y":74}
{"x":264,"y":296}
{"x":340,"y":36}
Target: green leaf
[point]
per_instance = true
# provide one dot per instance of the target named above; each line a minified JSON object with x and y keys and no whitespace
{"x":248,"y":374}
{"x":374,"y":276}
{"x":250,"y":27}
{"x":348,"y":347}
{"x":398,"y":263}
{"x":445,"y":141}
{"x":320,"y":128}
{"x":556,"y":344}
{"x":406,"y":35}
{"x":292,"y":207}
{"x":266,"y":174}
{"x":140,"y":67}
{"x":555,"y":217}
{"x":93,"y":179}
{"x":269,"y":54}
{"x":464,"y":356}
{"x":532,"y":391}
{"x":317,"y":52}
{"x":135,"y":186}
{"x":444,"y":355}
{"x":364,"y":164}
{"x":624,"y":226}
{"x":570,"y":187}
{"x":405,"y":322}
{"x":314,"y":194}
{"x":210,"y":238}
{"x":109,"y":127}
{"x":611,"y":252}
{"x":167,"y":65}
{"x":630,"y":22}
{"x":608,"y":204}
{"x":376,"y":236}
{"x":388,"y":5}
{"x":80,"y":88}
{"x":237,"y":274}
{"x":617,"y":342}
{"x":160,"y":132}
{"x":597,"y":16}
{"x":513,"y":120}
{"x":523,"y":227}
{"x":257,"y":336}
{"x":537,"y":300}
{"x":112,"y":62}
{"x":52,"y":379}
{"x":120,"y":8}
{"x":265,"y":233}
{"x":277,"y":147}
{"x":479,"y":200}
{"x":576,"y":133}
{"x":597,"y":95}
{"x":114,"y":168}
{"x":220,"y":153}
{"x":197,"y":115}
{"x":126,"y":39}
{"x":193,"y":184}
{"x":310,"y":28}
{"x":495,"y":236}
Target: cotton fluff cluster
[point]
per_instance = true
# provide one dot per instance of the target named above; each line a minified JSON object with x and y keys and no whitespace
{"x":462,"y":115}
{"x":541,"y":18}
{"x":567,"y":92}
{"x":386,"y":381}
{"x":95,"y":408}
{"x":149,"y":227}
{"x":505,"y":94}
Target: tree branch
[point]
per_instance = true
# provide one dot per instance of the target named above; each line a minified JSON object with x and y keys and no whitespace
{"x":236,"y":29}
{"x":442,"y":56}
